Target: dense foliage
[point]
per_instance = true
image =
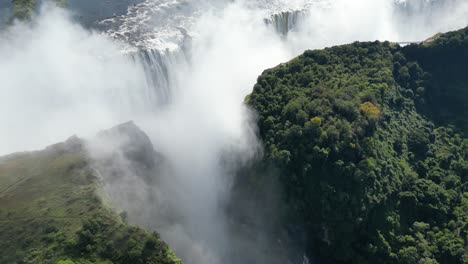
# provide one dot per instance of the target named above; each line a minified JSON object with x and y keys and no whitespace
{"x":50,"y":212}
{"x":369,"y":166}
{"x":444,"y":60}
{"x":25,"y":9}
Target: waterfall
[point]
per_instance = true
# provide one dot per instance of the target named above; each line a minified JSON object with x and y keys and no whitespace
{"x":408,"y":8}
{"x":286,"y":21}
{"x":420,"y":17}
{"x":160,"y":69}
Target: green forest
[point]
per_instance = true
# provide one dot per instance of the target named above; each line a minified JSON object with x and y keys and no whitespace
{"x":369,"y":142}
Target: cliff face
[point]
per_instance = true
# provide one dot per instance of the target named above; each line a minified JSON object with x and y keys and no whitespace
{"x":51,"y":207}
{"x":368,"y":139}
{"x":443,"y":59}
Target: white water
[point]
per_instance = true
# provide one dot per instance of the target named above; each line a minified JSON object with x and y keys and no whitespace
{"x":190,"y":66}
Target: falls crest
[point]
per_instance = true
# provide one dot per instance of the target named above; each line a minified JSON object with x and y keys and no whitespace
{"x":286,"y":21}
{"x":160,"y":69}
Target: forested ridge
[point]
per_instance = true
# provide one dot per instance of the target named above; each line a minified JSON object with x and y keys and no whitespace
{"x":53,"y":211}
{"x":369,"y":142}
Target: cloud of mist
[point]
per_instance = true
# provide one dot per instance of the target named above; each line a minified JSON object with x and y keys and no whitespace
{"x":416,"y":20}
{"x":345,"y":21}
{"x":57,"y":79}
{"x":206,"y":118}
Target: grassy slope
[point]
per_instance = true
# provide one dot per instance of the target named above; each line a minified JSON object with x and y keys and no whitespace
{"x":368,"y":166}
{"x":50,"y":211}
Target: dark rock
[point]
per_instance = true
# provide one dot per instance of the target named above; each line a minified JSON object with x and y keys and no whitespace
{"x":131,"y":141}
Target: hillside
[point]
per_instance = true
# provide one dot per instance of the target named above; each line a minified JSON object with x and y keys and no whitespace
{"x":52,"y":210}
{"x":368,"y":140}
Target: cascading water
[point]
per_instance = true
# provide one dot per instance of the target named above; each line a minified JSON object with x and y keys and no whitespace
{"x":285,"y":21}
{"x":159,"y":67}
{"x":198,"y":60}
{"x":161,"y":31}
{"x":419,"y":18}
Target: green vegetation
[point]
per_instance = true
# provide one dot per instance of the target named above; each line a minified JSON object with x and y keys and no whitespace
{"x":368,"y":139}
{"x":50,"y":213}
{"x":444,"y":92}
{"x":23,"y":9}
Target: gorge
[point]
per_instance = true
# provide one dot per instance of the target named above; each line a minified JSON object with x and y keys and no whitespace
{"x":183,"y":72}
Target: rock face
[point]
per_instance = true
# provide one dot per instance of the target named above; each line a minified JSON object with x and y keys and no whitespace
{"x":129,"y":140}
{"x":51,"y":207}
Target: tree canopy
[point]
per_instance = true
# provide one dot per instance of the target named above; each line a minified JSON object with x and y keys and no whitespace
{"x":368,"y":138}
